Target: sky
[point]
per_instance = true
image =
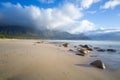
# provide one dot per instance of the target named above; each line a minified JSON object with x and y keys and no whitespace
{"x":73,"y":16}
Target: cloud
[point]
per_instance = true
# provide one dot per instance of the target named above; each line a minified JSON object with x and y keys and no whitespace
{"x":84,"y":4}
{"x":87,"y":3}
{"x":46,"y":1}
{"x":43,"y":18}
{"x":15,"y":15}
{"x":65,"y":17}
{"x":111,"y":4}
{"x":83,"y":26}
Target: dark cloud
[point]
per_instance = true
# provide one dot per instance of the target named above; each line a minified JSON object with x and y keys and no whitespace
{"x":65,"y":18}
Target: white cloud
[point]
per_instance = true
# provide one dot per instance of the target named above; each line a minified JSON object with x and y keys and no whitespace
{"x":83,"y":26}
{"x":83,"y":4}
{"x":87,"y":3}
{"x":111,"y":4}
{"x":46,"y":1}
{"x":55,"y":18}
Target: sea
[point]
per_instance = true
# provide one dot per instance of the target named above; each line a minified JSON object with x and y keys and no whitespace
{"x":111,"y":59}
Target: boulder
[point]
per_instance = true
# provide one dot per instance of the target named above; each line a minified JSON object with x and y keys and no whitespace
{"x":90,"y":49}
{"x":66,"y":44}
{"x":80,"y":54}
{"x":111,"y":50}
{"x":101,"y":50}
{"x":84,"y":46}
{"x":98,"y":64}
{"x":83,"y":52}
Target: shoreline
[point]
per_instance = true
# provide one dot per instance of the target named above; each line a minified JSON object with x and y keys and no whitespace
{"x":28,"y":60}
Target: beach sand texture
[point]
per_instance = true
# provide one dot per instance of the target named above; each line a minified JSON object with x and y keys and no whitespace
{"x":27,"y":60}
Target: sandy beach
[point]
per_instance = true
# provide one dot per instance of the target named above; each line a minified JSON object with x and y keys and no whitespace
{"x":28,"y":60}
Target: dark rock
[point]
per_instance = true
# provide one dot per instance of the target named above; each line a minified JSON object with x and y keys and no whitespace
{"x":66,"y":44}
{"x":80,"y":54}
{"x":96,"y":48}
{"x":84,"y":46}
{"x":90,"y":49}
{"x":111,"y":50}
{"x":98,"y":64}
{"x":71,"y":50}
{"x":101,"y":50}
{"x":83,"y":52}
{"x":75,"y":46}
{"x":38,"y":42}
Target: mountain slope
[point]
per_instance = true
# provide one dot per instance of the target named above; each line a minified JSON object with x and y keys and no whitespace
{"x":30,"y":32}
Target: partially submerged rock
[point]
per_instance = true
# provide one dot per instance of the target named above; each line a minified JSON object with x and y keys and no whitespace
{"x":83,"y":52}
{"x":66,"y":44}
{"x":84,"y":46}
{"x":80,"y":54}
{"x":101,"y":50}
{"x":111,"y":50}
{"x":90,"y":49}
{"x":98,"y":64}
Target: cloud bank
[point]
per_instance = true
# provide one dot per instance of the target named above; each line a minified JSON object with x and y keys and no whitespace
{"x":65,"y":17}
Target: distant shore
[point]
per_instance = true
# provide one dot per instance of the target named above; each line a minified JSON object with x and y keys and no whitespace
{"x":41,"y":60}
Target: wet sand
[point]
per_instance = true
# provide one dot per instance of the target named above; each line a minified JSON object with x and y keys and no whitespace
{"x":28,"y":60}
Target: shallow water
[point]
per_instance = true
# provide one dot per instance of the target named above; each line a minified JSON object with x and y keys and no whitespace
{"x":111,"y":59}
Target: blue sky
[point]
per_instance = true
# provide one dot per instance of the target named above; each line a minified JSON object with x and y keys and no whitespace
{"x":74,"y":16}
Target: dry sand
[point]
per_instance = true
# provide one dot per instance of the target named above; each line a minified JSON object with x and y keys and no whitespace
{"x":27,"y":60}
